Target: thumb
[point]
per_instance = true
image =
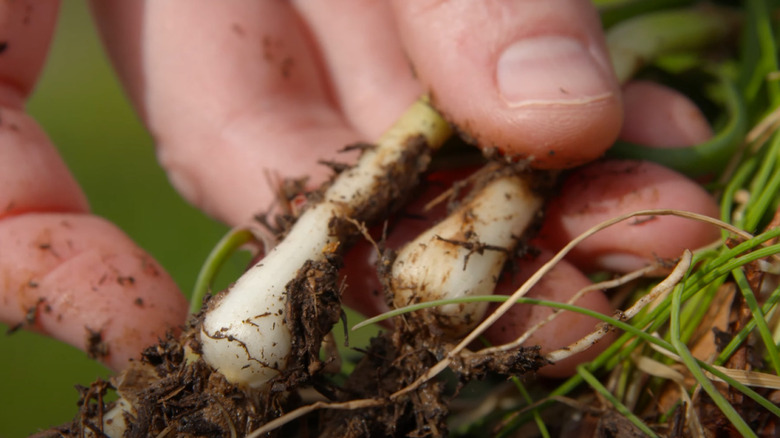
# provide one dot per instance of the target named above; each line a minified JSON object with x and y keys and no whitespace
{"x":531,"y":78}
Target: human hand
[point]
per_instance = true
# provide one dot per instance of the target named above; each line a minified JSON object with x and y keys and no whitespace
{"x":209,"y":116}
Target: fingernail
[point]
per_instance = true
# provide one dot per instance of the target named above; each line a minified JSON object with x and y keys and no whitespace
{"x":550,"y":70}
{"x":621,"y":262}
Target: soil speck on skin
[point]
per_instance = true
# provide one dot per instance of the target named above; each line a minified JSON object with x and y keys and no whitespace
{"x":267,"y":54}
{"x":125,"y":281}
{"x":96,"y":348}
{"x":32,"y":313}
{"x":270,"y":48}
{"x":139,"y":302}
{"x":149,"y":266}
{"x":28,"y":13}
{"x":287,"y":66}
{"x":14,"y":328}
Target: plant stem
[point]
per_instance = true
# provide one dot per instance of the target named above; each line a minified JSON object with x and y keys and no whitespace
{"x":635,"y":42}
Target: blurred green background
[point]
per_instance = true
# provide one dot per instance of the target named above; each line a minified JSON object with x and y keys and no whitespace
{"x":81,"y":106}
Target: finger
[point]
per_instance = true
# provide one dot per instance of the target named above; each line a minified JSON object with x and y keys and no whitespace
{"x":603,"y":190}
{"x":560,"y":284}
{"x":659,"y":116}
{"x":531,"y":78}
{"x":32,"y":174}
{"x":369,"y":74}
{"x":79,"y":279}
{"x":607,"y":189}
{"x":246,"y":98}
{"x":25,"y":34}
{"x":55,"y":258}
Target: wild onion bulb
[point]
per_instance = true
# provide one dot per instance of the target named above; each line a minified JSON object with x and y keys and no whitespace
{"x":245,"y":335}
{"x":463,"y":255}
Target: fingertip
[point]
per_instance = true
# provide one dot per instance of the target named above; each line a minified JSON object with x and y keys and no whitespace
{"x":659,"y":116}
{"x":26,"y":28}
{"x":131,"y":307}
{"x":606,"y":189}
{"x":79,"y":279}
{"x":531,"y":79}
{"x":33,"y":176}
{"x":563,"y":99}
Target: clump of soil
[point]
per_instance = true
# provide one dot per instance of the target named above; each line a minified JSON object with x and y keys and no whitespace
{"x":395,"y":360}
{"x":175,"y":393}
{"x":172,"y":395}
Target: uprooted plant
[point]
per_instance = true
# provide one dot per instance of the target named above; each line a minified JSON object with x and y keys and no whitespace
{"x":248,"y":362}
